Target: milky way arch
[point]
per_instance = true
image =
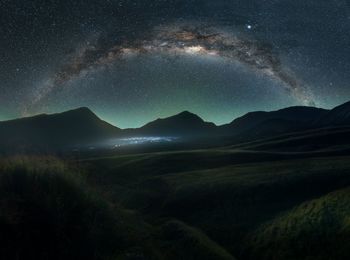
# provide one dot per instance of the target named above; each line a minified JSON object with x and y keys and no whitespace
{"x":178,"y":40}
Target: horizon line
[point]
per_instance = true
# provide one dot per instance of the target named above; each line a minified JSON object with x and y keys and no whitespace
{"x":172,"y":115}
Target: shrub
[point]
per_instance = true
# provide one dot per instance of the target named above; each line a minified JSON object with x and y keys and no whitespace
{"x":47,"y":212}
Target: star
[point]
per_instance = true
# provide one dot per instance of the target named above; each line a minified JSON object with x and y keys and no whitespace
{"x":232,"y":56}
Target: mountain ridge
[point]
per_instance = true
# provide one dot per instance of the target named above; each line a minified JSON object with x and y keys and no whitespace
{"x":339,"y":115}
{"x":184,"y":123}
{"x":42,"y":132}
{"x":82,"y":126}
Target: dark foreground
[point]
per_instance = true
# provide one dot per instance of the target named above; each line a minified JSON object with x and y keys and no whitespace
{"x":270,"y":199}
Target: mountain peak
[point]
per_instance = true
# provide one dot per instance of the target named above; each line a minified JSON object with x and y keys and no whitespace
{"x":186,"y":115}
{"x":56,"y":131}
{"x":186,"y":112}
{"x":339,"y":115}
{"x":80,"y":110}
{"x":79,"y":114}
{"x":184,"y":123}
{"x":84,"y":109}
{"x":343,"y":106}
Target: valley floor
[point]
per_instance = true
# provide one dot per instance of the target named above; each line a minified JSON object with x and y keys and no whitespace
{"x":253,"y":205}
{"x":227,"y":203}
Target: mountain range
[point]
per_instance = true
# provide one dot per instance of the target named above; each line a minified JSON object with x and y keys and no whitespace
{"x":80,"y":126}
{"x":48,"y":132}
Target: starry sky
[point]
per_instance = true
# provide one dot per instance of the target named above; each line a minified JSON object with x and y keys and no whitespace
{"x":132,"y":61}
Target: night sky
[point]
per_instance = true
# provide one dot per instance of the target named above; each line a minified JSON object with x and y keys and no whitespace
{"x":134,"y":61}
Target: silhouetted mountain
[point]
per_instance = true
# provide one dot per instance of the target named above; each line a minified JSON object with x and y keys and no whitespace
{"x":54,"y":131}
{"x":258,"y":124}
{"x":339,"y":115}
{"x":83,"y":127}
{"x":184,"y":124}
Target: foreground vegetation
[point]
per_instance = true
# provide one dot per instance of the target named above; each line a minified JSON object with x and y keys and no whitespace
{"x":205,"y":204}
{"x":48,"y":213}
{"x":317,"y":229}
{"x":227,"y":194}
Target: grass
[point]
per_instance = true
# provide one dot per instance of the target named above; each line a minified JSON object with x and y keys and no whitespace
{"x":184,"y":242}
{"x":48,"y":212}
{"x":316,"y":229}
{"x":228,"y":202}
{"x":202,"y":204}
{"x":225,"y":203}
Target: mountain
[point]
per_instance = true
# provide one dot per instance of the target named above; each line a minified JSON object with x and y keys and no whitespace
{"x":339,"y":115}
{"x":81,"y":127}
{"x":262,"y":124}
{"x":184,"y":124}
{"x":47,"y":132}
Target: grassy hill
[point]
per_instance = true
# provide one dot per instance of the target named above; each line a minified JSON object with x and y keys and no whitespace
{"x":223,"y":193}
{"x":316,"y":229}
{"x":48,"y":211}
{"x":206,"y":204}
